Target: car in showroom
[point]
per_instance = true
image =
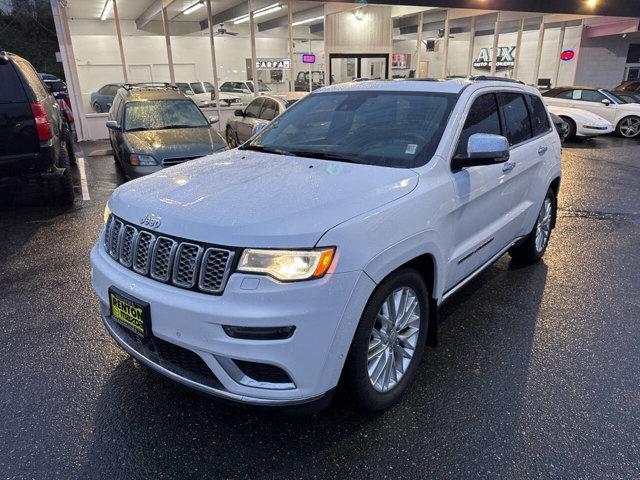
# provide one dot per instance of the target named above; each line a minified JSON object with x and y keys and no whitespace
{"x":35,"y":139}
{"x":629,"y":86}
{"x":204,"y":92}
{"x":244,"y":89}
{"x":257,"y":115}
{"x":102,"y":99}
{"x":152,"y":127}
{"x":581,"y":123}
{"x":322,"y":249}
{"x":624,"y":116}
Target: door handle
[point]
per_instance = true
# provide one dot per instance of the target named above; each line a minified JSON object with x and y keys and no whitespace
{"x":508,"y":166}
{"x":542,"y":150}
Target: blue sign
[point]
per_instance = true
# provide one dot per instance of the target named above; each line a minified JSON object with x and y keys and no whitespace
{"x":308,"y":58}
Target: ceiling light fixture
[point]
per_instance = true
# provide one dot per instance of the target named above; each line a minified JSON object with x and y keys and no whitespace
{"x":308,"y":20}
{"x":193,"y":7}
{"x":106,"y":10}
{"x":258,"y":13}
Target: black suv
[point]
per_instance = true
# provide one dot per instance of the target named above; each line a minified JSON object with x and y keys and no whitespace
{"x":35,"y":139}
{"x":154,"y":126}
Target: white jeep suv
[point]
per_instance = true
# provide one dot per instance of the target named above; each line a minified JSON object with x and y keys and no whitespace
{"x":323,"y":246}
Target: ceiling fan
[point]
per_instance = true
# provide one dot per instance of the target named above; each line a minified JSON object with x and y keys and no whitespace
{"x":223,"y":31}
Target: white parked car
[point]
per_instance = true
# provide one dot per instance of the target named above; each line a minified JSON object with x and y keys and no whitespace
{"x":625,"y":117}
{"x":244,"y":89}
{"x":323,"y":247}
{"x":581,"y":123}
{"x":202,"y":98}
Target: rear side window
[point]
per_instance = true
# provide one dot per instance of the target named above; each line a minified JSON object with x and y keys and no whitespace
{"x":11,"y":90}
{"x":482,"y":118}
{"x":539,"y":118}
{"x":516,"y":117}
{"x":253,"y":109}
{"x":269,"y":110}
{"x":34,"y":81}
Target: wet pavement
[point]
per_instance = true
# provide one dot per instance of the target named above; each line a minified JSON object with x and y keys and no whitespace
{"x":536,"y":374}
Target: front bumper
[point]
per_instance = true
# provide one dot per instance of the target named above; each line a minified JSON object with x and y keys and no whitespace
{"x":324,"y":312}
{"x":593,"y":130}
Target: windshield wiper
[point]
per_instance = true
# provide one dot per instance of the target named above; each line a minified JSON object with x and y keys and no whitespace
{"x":264,"y":149}
{"x":325,"y":156}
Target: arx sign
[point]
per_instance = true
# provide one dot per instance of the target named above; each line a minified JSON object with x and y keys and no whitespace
{"x":505,"y":60}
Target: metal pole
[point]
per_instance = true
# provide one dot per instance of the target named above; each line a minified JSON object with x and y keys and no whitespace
{"x":472,"y":39}
{"x":559,"y":52}
{"x":494,"y":50}
{"x":445,"y":49}
{"x":518,"y":44}
{"x":310,"y":64}
{"x":536,"y":65}
{"x":116,"y":17}
{"x":292,"y":71}
{"x":214,"y":65}
{"x":254,"y":58}
{"x":420,"y":40}
{"x":167,"y":38}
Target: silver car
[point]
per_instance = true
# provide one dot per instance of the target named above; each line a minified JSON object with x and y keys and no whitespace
{"x":258,"y":114}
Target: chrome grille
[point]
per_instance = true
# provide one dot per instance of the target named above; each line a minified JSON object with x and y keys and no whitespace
{"x":183,"y":264}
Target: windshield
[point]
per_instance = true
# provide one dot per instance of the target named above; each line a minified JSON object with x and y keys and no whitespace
{"x":162,"y":114}
{"x":261,"y":85}
{"x":202,"y":87}
{"x":615,"y":97}
{"x":394,"y":129}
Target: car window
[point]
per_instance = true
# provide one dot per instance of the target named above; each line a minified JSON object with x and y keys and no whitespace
{"x":516,"y":117}
{"x":34,"y":81}
{"x":482,"y":118}
{"x":239,"y":86}
{"x":208,"y":87}
{"x":590,"y":95}
{"x":253,"y":109}
{"x":115,"y":108}
{"x":162,"y":114}
{"x":386,"y":128}
{"x":109,"y":90}
{"x":567,"y":95}
{"x":11,"y":91}
{"x":539,"y":118}
{"x":269,"y":110}
{"x":197,"y":87}
{"x":226,"y":87}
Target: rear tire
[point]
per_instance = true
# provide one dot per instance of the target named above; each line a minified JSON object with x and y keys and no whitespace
{"x":62,"y":186}
{"x":381,"y":342}
{"x":629,"y":127}
{"x":535,"y":244}
{"x":66,"y":135}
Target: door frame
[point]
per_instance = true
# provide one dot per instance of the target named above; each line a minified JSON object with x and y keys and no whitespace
{"x":359,"y":57}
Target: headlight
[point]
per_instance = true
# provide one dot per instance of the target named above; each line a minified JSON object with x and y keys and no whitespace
{"x":142,"y":160}
{"x":287,"y":265}
{"x":107,"y":213}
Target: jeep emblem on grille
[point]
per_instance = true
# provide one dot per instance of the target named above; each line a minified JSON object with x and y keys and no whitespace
{"x":150,"y":220}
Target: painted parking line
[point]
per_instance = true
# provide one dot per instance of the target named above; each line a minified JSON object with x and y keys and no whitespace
{"x":83,"y":179}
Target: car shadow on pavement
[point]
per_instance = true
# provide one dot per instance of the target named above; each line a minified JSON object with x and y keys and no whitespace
{"x":466,"y":389}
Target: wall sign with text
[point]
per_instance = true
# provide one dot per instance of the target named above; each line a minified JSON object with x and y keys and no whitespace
{"x":506,"y":58}
{"x":273,"y":64}
{"x":308,"y":58}
{"x":567,"y":55}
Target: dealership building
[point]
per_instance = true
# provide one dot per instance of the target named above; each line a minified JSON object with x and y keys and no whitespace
{"x":301,"y":45}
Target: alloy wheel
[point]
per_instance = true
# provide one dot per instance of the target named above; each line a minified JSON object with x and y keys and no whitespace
{"x":630,"y":127}
{"x":543,"y":225}
{"x":393,"y":339}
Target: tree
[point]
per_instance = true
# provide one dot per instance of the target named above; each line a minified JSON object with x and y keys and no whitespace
{"x":27,"y":29}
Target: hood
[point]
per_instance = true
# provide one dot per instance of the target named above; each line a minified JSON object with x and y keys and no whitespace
{"x":242,"y":198}
{"x":175,"y":142}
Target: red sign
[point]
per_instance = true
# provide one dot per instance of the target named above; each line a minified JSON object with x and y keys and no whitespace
{"x":567,"y":55}
{"x":308,"y":58}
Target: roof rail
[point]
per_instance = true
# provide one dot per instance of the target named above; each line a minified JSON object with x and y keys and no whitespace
{"x":148,"y":85}
{"x":494,"y":79}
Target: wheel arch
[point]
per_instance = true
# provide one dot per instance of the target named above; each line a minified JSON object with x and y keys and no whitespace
{"x":555,"y":187}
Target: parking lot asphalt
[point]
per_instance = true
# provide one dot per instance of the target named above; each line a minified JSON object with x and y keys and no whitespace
{"x":536,"y":374}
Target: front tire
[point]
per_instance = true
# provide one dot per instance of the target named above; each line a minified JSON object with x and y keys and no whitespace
{"x":571,"y":134}
{"x":535,"y":244}
{"x":389,"y":342}
{"x":97,"y":107}
{"x":232,"y":140}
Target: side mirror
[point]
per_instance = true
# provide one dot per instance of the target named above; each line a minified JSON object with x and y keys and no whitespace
{"x":239,"y":113}
{"x":113,"y":125}
{"x":483,"y":149}
{"x":606,"y":101}
{"x":214,"y":119}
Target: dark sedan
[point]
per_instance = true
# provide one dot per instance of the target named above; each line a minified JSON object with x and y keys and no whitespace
{"x":151,"y":129}
{"x":257,"y":114}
